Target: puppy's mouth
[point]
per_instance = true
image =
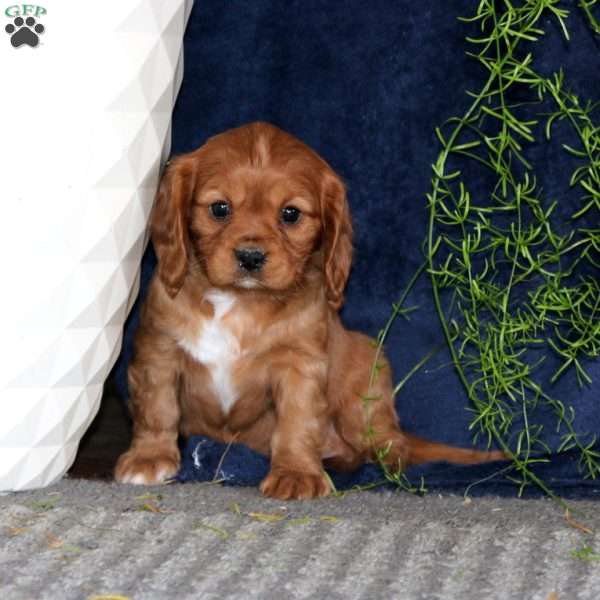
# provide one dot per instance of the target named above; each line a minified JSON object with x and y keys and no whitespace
{"x":249,"y":282}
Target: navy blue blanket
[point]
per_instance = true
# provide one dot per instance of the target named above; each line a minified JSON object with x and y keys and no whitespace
{"x":365,"y":84}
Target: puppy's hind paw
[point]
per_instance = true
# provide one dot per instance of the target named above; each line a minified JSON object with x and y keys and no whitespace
{"x":143,"y":469}
{"x":293,"y":485}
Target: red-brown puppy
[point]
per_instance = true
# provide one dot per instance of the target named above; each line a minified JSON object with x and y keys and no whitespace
{"x":240,"y":337}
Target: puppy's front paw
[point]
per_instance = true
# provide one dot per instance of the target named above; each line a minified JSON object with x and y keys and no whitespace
{"x":294,"y":485}
{"x":146,"y":468}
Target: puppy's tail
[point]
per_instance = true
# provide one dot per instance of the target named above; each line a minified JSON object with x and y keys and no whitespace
{"x":403,"y":449}
{"x":420,"y":451}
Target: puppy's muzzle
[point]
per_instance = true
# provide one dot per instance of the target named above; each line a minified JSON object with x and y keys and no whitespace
{"x":250,"y":259}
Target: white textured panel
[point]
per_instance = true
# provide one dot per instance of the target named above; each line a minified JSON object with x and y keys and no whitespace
{"x":86,"y":126}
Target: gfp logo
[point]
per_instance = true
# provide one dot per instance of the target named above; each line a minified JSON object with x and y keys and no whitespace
{"x":24,"y":28}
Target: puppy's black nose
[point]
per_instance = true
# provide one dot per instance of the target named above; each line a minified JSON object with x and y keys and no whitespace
{"x":250,"y":259}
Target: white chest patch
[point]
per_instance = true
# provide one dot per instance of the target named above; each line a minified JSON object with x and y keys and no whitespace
{"x":217,"y":348}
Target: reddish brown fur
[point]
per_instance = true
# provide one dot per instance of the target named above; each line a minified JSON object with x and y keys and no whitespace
{"x":300,"y":375}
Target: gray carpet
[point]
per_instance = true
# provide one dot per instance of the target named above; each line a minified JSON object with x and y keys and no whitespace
{"x":80,"y":539}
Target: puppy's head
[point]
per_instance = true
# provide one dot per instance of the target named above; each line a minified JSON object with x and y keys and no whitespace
{"x":251,"y":209}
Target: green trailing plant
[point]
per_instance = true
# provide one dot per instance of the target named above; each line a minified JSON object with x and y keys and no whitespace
{"x":513,"y":283}
{"x":392,"y":475}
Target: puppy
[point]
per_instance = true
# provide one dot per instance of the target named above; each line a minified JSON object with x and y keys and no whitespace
{"x":240,"y":338}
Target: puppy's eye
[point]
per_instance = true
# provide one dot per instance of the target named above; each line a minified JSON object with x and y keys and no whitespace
{"x":290,"y":215}
{"x":220,"y":210}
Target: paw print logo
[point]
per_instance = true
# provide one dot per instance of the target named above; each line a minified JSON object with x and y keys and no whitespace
{"x":24,"y":31}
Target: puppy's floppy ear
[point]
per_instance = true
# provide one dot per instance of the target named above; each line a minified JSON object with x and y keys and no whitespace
{"x":337,"y":237}
{"x":169,"y":223}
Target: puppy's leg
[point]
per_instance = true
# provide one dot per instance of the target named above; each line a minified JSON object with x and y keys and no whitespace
{"x":300,"y":405}
{"x":153,"y":456}
{"x":367,"y":423}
